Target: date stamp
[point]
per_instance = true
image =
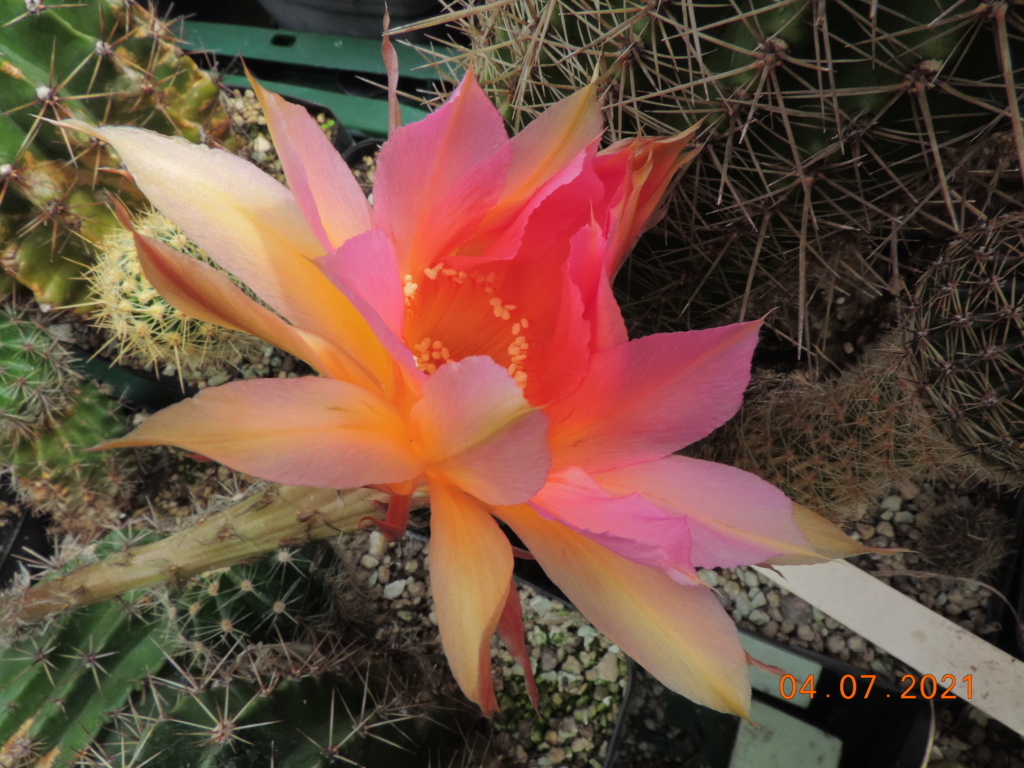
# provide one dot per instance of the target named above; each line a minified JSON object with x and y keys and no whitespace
{"x":859,"y":686}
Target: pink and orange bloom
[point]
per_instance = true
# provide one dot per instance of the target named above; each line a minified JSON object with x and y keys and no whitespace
{"x":468,"y":342}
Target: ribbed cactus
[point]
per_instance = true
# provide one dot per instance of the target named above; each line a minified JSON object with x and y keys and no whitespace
{"x":139,"y":325}
{"x":56,"y":474}
{"x":36,"y":378}
{"x":282,"y":599}
{"x":965,"y":328}
{"x":116,"y":684}
{"x":99,"y":61}
{"x":59,"y":688}
{"x":366,"y":718}
{"x":836,"y":133}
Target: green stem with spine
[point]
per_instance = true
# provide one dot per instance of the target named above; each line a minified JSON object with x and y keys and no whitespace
{"x":280,"y":517}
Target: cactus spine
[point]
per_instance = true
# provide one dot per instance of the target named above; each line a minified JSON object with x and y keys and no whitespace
{"x":111,"y":684}
{"x":263,"y":522}
{"x":35,"y":377}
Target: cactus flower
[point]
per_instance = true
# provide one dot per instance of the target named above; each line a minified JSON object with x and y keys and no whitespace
{"x":467,"y":341}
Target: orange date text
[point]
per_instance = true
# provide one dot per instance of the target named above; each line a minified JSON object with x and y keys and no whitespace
{"x":860,"y":686}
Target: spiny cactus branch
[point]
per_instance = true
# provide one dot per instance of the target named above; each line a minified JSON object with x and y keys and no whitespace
{"x":280,"y":517}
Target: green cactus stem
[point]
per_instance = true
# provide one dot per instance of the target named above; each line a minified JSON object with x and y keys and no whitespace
{"x":278,"y":517}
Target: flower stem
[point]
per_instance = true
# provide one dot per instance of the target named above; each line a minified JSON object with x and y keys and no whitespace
{"x":283,"y":516}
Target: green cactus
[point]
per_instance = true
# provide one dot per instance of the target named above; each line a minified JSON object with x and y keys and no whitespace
{"x":56,"y":474}
{"x":965,"y":327}
{"x":36,"y":377}
{"x":140,"y":326}
{"x":98,"y":61}
{"x":116,"y":684}
{"x":283,"y":599}
{"x":836,"y":134}
{"x":59,"y":688}
{"x":362,"y":719}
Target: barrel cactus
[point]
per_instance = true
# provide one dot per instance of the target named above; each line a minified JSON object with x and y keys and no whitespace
{"x":36,"y":377}
{"x":56,"y":474}
{"x":116,"y":683}
{"x":965,"y":341}
{"x":143,"y":329}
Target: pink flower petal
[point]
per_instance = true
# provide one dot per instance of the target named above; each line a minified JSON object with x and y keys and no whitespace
{"x":478,"y":432}
{"x":735,"y":518}
{"x":550,"y":142}
{"x":652,"y":396}
{"x":310,"y":431}
{"x":680,"y":634}
{"x":470,"y":571}
{"x":437,"y":178}
{"x":367,"y":266}
{"x":328,"y":194}
{"x":537,"y":227}
{"x":650,"y":166}
{"x":628,"y":525}
{"x":588,"y":256}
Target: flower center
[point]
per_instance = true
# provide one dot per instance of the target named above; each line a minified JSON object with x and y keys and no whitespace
{"x":452,"y":314}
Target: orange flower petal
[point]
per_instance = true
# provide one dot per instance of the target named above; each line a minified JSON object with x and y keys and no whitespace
{"x":510,"y":629}
{"x":680,"y":634}
{"x":202,"y":292}
{"x":309,"y":431}
{"x":548,"y":144}
{"x":470,"y":571}
{"x":827,"y":541}
{"x":651,"y":165}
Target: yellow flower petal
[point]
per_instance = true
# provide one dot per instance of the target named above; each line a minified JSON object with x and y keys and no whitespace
{"x":680,"y":634}
{"x":470,"y":569}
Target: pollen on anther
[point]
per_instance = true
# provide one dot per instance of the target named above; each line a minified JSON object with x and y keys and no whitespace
{"x":409,"y":287}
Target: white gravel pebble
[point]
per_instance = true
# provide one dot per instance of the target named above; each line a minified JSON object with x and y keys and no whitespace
{"x":378,"y":544}
{"x":394,"y":589}
{"x":708,"y":577}
{"x":891,"y":504}
{"x":369,"y":562}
